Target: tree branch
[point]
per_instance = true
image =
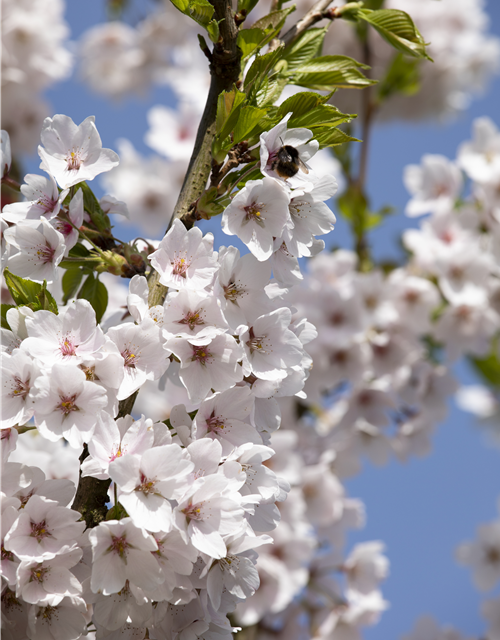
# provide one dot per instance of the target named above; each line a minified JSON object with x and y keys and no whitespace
{"x":225,"y":66}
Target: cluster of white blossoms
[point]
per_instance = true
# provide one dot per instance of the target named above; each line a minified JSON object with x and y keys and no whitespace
{"x":197,"y":493}
{"x":34,"y":56}
{"x":374,"y":384}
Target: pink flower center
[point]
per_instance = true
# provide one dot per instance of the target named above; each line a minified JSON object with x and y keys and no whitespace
{"x":194,"y":511}
{"x":67,"y":347}
{"x":47,"y":203}
{"x":147,"y":485}
{"x":47,"y":613}
{"x":118,"y":454}
{"x":89,"y":372}
{"x":45,"y":253}
{"x":38,"y":575}
{"x":39,"y":530}
{"x":68,"y":404}
{"x":74,"y":162}
{"x":129,"y":358}
{"x":254,"y":212}
{"x":215,"y":424}
{"x":119,"y":545}
{"x":256,"y":342}
{"x":232,"y":292}
{"x":200,"y":354}
{"x":192,"y":319}
{"x":63,"y":226}
{"x":21,"y":389}
{"x":180,"y":267}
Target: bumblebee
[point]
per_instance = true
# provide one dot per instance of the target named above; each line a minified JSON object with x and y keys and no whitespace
{"x":287,"y":162}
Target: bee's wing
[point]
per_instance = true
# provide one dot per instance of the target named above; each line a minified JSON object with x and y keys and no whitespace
{"x":302,"y":165}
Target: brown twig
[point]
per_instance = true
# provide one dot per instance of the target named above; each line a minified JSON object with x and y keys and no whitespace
{"x":317,"y":13}
{"x":236,"y":156}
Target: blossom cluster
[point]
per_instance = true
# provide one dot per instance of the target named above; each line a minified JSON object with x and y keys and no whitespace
{"x":375,"y":387}
{"x":192,"y":496}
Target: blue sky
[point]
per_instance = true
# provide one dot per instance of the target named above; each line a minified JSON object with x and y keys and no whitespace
{"x":421,"y":509}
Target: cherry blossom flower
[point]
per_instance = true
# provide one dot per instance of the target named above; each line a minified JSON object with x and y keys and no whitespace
{"x":43,"y":529}
{"x":50,"y":581}
{"x":42,"y":199}
{"x":121,"y":551}
{"x":147,"y":483}
{"x":184,"y":259}
{"x":40,"y":249}
{"x":67,"y":405}
{"x":240,"y":286}
{"x":213,"y":365}
{"x":64,"y":338}
{"x":483,"y":556}
{"x":270,"y":346}
{"x":207,"y":513}
{"x":73,"y":153}
{"x":435,"y":185}
{"x":257,"y":214}
{"x":139,"y":346}
{"x":18,"y":376}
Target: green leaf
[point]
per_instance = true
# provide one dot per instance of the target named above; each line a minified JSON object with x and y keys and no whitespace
{"x":374,"y":4}
{"x":488,"y":367}
{"x":228,"y":104}
{"x":310,"y":111}
{"x":213,"y":30}
{"x":182,"y":5}
{"x":331,"y":136}
{"x":46,"y":300}
{"x":352,"y":204}
{"x":93,"y":208}
{"x":96,"y":293}
{"x":201,"y":11}
{"x":402,"y":76}
{"x":236,"y":177}
{"x":117,"y":512}
{"x":248,"y":119}
{"x":249,"y":40}
{"x":24,"y":292}
{"x":228,"y":108}
{"x":4,"y":309}
{"x":206,"y":206}
{"x":269,"y":91}
{"x":307,"y":47}
{"x":300,"y":104}
{"x":30,"y":294}
{"x":274,"y":20}
{"x":260,"y":69}
{"x":398,"y":29}
{"x":79,"y":251}
{"x":70,"y":282}
{"x":325,"y":114}
{"x":331,"y":72}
